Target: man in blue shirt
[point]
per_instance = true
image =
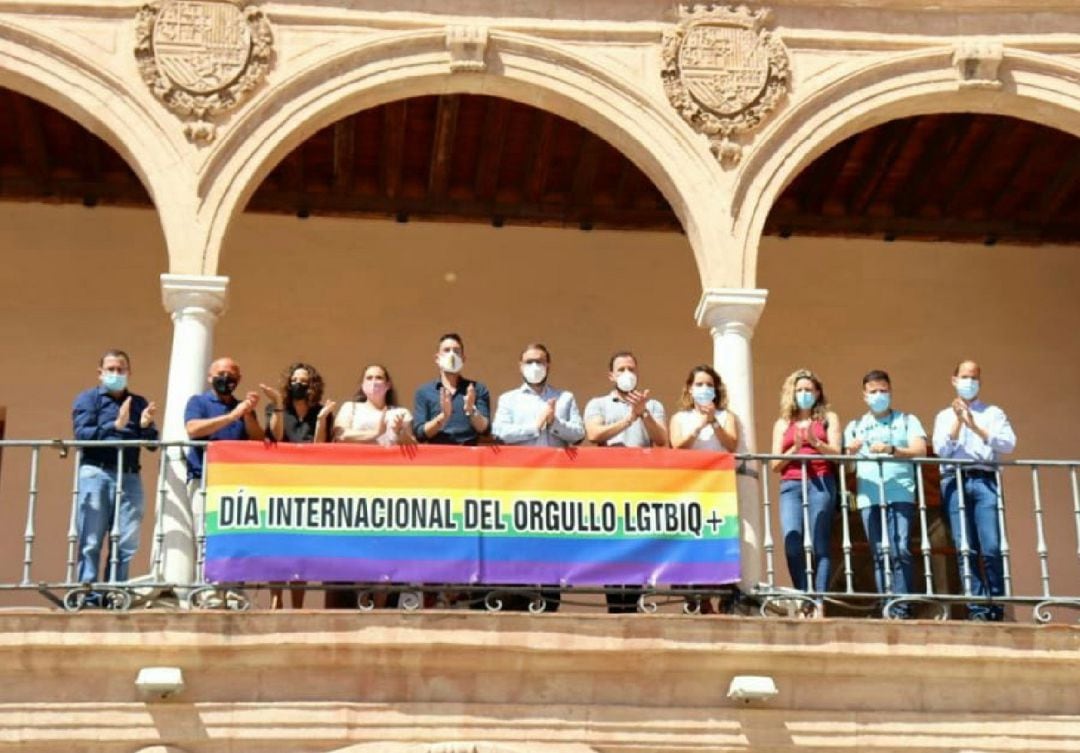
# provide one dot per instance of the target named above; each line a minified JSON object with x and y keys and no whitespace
{"x":970,"y":429}
{"x":217,"y":414}
{"x":110,"y":412}
{"x":451,"y":409}
{"x":886,"y":490}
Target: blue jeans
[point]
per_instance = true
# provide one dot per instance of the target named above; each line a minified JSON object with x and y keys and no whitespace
{"x":821,"y":500}
{"x":983,"y":537}
{"x":97,"y":498}
{"x":898,"y":519}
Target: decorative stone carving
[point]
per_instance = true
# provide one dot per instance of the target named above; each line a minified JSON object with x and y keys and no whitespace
{"x":977,"y":62}
{"x":202,"y":57}
{"x":467,"y":46}
{"x":724,"y":72}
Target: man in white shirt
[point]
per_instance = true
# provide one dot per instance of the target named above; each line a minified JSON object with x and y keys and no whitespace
{"x":625,"y":417}
{"x":537,"y":414}
{"x":970,"y":429}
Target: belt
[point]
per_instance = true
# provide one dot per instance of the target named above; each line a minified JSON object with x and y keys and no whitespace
{"x":978,"y":473}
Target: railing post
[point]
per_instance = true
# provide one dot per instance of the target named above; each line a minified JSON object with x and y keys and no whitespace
{"x":1040,"y":535}
{"x":73,"y":523}
{"x":884,"y":543}
{"x":767,"y":536}
{"x":31,"y":511}
{"x":927,"y":550}
{"x":845,"y":525}
{"x":114,"y":525}
{"x":808,"y":539}
{"x":1006,"y":552}
{"x":965,"y":545}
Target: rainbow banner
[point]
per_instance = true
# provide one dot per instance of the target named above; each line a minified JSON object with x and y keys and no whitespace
{"x":478,"y":515}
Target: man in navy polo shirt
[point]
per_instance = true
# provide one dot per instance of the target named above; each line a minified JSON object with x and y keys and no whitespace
{"x":217,"y":414}
{"x":451,"y":409}
{"x":110,"y":412}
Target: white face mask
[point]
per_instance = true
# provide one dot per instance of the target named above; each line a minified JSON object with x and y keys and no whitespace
{"x":534,"y":373}
{"x":626,"y":381}
{"x":451,"y":362}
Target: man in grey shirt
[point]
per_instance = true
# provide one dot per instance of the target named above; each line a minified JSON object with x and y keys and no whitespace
{"x":625,"y":417}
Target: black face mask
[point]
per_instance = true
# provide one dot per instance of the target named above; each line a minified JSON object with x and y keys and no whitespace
{"x":224,"y":384}
{"x":298,"y":391}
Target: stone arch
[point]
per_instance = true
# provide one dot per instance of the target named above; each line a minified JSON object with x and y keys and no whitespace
{"x":42,"y":68}
{"x":535,"y":72}
{"x":1033,"y":87}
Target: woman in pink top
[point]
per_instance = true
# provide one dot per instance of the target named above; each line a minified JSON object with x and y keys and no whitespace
{"x":806,"y":429}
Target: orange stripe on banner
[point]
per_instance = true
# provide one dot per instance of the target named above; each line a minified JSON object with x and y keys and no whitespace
{"x":495,"y":456}
{"x":420,"y":476}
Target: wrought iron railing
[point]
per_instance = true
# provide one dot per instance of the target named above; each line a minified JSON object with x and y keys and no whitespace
{"x":945,"y":581}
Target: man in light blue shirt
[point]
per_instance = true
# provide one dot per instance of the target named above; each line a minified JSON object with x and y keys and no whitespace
{"x":886,"y":489}
{"x":537,"y":414}
{"x":970,"y":429}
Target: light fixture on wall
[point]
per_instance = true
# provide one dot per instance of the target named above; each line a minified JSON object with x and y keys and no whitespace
{"x":748,"y":688}
{"x":159,"y":682}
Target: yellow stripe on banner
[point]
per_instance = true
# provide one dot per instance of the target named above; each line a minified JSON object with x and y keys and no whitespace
{"x":724,"y":503}
{"x":421,"y":478}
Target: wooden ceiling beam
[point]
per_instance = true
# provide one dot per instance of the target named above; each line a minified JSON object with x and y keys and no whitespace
{"x":540,"y":161}
{"x":1064,"y":184}
{"x":393,"y":151}
{"x":580,"y":200}
{"x":35,"y":149}
{"x":974,"y":165}
{"x":442,"y":151}
{"x":344,"y":154}
{"x":895,"y":136}
{"x":492,"y":140}
{"x":940,"y":140}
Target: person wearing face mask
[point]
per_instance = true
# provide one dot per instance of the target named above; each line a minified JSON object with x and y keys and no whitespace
{"x":373,"y":415}
{"x":625,"y":417}
{"x":807,"y":428}
{"x":451,"y":409}
{"x":970,"y":429}
{"x":704,"y":423}
{"x":217,"y":414}
{"x":110,"y":412}
{"x":884,"y":431}
{"x":537,"y":414}
{"x":295,"y":413}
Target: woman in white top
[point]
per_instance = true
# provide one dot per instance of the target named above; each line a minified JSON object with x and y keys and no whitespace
{"x":703,"y":423}
{"x":373,"y":416}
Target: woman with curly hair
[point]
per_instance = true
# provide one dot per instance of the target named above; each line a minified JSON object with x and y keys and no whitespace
{"x":296,"y":413}
{"x":806,"y":429}
{"x":704,"y":422}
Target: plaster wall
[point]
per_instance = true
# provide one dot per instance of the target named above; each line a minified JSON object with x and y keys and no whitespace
{"x":341,"y":293}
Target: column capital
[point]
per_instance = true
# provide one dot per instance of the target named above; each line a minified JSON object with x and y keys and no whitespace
{"x":203,"y":293}
{"x":721,"y":307}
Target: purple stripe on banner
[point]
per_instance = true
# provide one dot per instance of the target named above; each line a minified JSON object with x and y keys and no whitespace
{"x":262,"y":569}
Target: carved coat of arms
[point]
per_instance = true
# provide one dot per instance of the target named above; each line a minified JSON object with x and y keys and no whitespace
{"x":200,"y":57}
{"x":723,"y":72}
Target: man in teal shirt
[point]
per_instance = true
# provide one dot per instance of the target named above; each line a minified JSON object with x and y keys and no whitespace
{"x":886,"y":489}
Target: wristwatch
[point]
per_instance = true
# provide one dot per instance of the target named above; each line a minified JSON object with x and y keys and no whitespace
{"x":470,"y":413}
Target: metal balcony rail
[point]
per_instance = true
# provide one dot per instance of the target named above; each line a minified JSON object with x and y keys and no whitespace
{"x":950,"y":582}
{"x":946,"y":561}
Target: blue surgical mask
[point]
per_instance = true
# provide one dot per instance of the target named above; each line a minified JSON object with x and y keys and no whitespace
{"x":703,"y":394}
{"x":114,"y":382}
{"x":805,"y":400}
{"x":967,"y":387}
{"x":878,"y":401}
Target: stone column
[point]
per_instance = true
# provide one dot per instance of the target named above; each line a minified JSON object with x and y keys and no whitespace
{"x":731,"y":315}
{"x":195,"y":303}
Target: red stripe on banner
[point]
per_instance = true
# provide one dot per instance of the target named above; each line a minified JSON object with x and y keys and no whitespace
{"x":492,"y":456}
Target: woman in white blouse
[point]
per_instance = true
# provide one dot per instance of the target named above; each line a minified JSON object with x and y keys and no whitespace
{"x":373,"y":416}
{"x":704,"y":423}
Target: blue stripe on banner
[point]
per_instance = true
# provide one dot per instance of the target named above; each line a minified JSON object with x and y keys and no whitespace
{"x":509,"y":549}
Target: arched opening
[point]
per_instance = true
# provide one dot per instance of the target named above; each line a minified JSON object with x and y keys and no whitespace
{"x":82,"y":250}
{"x":465,"y":213}
{"x":922,"y":241}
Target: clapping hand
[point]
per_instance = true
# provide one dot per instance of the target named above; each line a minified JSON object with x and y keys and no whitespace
{"x":147,"y":416}
{"x":470,"y":400}
{"x":123,"y":415}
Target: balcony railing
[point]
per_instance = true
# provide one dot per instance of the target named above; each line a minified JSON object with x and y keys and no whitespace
{"x":1035,"y":497}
